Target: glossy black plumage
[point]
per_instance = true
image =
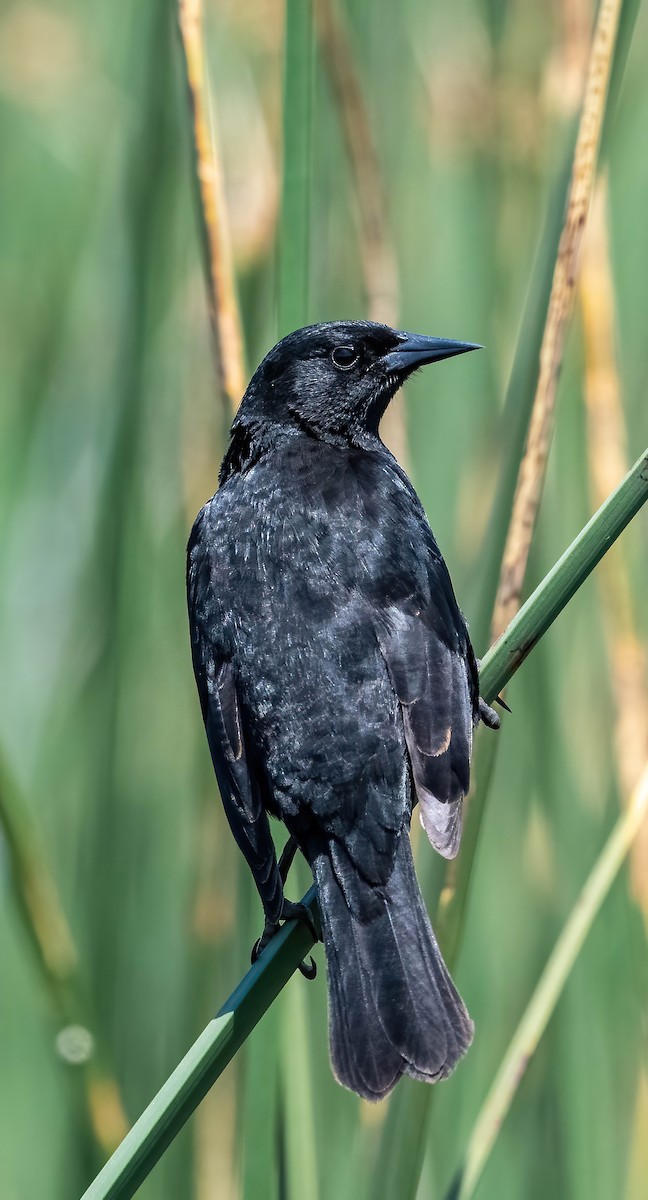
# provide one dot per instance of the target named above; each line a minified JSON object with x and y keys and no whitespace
{"x":337,"y":682}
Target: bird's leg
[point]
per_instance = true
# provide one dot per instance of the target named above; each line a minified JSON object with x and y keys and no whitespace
{"x":287,"y":856}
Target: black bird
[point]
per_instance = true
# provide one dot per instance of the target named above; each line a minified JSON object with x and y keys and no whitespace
{"x":338,"y":684}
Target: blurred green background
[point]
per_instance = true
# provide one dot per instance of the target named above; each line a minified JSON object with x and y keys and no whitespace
{"x":111,"y":432}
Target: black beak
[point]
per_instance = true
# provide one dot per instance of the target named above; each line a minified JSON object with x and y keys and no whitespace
{"x":415,"y":350}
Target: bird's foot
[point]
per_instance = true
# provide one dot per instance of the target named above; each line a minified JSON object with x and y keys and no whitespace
{"x":488,"y":714}
{"x":300,"y":912}
{"x":289,"y":912}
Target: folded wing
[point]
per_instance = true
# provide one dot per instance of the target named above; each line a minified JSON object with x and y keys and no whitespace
{"x":238,"y":784}
{"x":435,"y":679}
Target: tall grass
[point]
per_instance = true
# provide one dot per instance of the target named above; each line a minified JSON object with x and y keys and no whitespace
{"x":110,"y":436}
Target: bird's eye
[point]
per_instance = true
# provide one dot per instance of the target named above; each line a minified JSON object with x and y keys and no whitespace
{"x":344,"y":357}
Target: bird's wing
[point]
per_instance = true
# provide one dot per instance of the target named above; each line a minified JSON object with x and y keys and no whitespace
{"x":224,"y":724}
{"x":434,"y":674}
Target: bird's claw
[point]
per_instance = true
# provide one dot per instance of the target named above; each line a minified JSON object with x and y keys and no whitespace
{"x":269,"y":930}
{"x":289,"y":912}
{"x":488,"y":714}
{"x":299,"y":912}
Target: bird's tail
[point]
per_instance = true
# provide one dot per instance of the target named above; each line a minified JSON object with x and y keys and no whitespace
{"x":393,"y":1008}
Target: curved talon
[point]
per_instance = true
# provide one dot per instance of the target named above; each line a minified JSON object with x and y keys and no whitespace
{"x":308,"y":972}
{"x":269,"y":930}
{"x":257,"y":949}
{"x":488,"y":714}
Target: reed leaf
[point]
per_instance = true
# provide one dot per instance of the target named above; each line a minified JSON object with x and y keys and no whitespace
{"x":547,"y":992}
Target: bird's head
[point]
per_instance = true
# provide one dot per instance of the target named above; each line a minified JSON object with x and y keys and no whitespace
{"x":336,"y":379}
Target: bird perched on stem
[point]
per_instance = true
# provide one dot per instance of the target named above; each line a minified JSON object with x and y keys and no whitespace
{"x":338,"y":684}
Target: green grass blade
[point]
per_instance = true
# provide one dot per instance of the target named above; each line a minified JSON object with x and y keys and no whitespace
{"x":564,"y":580}
{"x":297,"y":1123}
{"x":627,"y":21}
{"x":521,"y":387}
{"x":297,"y":1096}
{"x":295,"y":197}
{"x":203,"y":1063}
{"x":520,"y":394}
{"x":547,"y":993}
{"x":45,"y":924}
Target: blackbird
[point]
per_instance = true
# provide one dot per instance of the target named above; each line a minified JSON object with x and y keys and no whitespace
{"x":338,"y":683}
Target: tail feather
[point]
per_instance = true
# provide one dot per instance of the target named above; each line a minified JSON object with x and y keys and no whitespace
{"x":393,"y":1008}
